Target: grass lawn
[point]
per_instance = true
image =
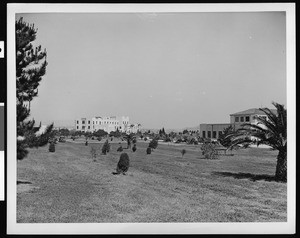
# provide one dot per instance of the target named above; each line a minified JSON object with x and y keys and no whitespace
{"x":69,"y":186}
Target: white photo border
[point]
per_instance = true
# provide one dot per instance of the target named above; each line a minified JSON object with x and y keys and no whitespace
{"x":150,"y":228}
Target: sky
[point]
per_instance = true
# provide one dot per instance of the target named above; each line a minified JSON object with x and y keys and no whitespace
{"x":170,"y":70}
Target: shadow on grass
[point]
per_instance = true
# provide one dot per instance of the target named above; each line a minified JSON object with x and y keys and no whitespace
{"x":252,"y":177}
{"x":23,"y":182}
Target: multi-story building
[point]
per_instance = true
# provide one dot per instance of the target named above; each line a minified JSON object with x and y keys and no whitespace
{"x":106,"y":123}
{"x":214,"y":131}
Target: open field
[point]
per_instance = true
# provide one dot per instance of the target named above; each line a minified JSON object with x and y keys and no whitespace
{"x":69,"y":186}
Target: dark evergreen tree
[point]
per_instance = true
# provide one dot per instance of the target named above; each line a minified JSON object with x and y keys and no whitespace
{"x":105,"y":147}
{"x":30,"y":68}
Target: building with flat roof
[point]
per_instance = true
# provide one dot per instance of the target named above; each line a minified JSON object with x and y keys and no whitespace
{"x":106,"y":123}
{"x":213,"y":130}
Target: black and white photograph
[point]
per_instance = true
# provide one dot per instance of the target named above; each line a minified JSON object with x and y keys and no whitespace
{"x":151,"y":118}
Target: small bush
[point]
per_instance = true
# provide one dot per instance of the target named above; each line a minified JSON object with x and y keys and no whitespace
{"x":145,"y":138}
{"x":52,"y":147}
{"x":120,"y":149}
{"x":99,"y":138}
{"x":93,"y":153}
{"x":209,"y":151}
{"x":86,"y":142}
{"x":134,"y":148}
{"x":148,"y":151}
{"x":183,"y":151}
{"x":105,"y":147}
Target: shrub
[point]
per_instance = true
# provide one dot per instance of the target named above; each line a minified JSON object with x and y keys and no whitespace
{"x":86,"y":142}
{"x":209,"y":150}
{"x":93,"y":153}
{"x":120,"y":149}
{"x":99,"y":138}
{"x":134,"y":148}
{"x":148,"y":151}
{"x":52,"y":147}
{"x":145,"y":138}
{"x":123,"y":164}
{"x":183,"y":151}
{"x":153,"y":144}
{"x":105,"y":147}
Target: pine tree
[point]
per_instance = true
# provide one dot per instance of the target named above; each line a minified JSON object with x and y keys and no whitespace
{"x":30,"y":68}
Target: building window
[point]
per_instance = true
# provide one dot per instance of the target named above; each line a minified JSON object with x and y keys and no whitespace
{"x":242,"y":119}
{"x":83,"y":122}
{"x":77,"y":127}
{"x":247,"y":118}
{"x":236,"y":119}
{"x":209,"y":134}
{"x":89,"y":122}
{"x":214,"y":134}
{"x":88,"y":127}
{"x":77,"y":122}
{"x":83,"y":127}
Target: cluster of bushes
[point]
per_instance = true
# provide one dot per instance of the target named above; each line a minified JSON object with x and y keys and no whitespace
{"x":209,"y":150}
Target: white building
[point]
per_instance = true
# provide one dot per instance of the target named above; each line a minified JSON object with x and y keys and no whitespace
{"x":106,"y":123}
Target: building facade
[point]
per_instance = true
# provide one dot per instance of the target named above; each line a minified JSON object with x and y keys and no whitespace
{"x":213,"y":131}
{"x":106,"y":123}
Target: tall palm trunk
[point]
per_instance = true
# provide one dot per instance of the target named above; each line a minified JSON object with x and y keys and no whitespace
{"x":281,"y":167}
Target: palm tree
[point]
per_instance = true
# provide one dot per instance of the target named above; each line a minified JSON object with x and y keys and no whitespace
{"x":271,"y":131}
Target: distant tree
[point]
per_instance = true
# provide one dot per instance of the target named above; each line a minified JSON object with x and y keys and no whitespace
{"x":105,"y":147}
{"x":153,"y":144}
{"x":129,"y":139}
{"x":30,"y":68}
{"x":100,"y":133}
{"x":88,"y":134}
{"x":271,"y":131}
{"x":185,"y":132}
{"x":64,"y":132}
{"x":116,"y":133}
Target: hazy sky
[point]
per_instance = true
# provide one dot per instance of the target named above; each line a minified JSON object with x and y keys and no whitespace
{"x":169,"y":70}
